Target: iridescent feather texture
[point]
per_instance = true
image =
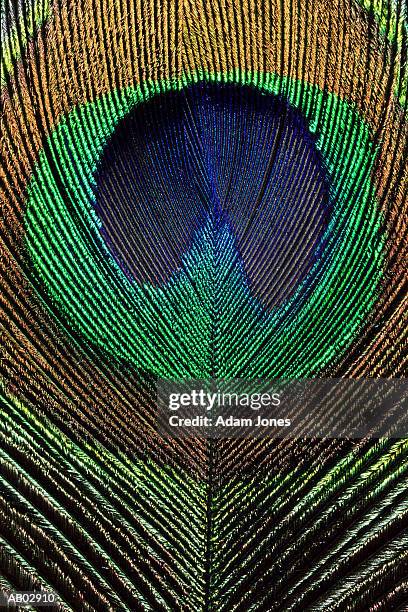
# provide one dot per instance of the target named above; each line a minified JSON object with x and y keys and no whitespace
{"x":199,"y":190}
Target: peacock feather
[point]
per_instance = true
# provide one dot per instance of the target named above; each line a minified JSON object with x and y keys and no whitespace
{"x":199,"y":190}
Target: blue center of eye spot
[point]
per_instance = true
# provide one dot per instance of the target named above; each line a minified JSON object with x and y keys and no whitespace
{"x":225,"y":153}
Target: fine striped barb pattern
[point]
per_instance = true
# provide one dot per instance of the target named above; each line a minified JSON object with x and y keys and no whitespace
{"x":199,"y":190}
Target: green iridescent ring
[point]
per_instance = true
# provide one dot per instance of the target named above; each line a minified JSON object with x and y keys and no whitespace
{"x":299,"y":337}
